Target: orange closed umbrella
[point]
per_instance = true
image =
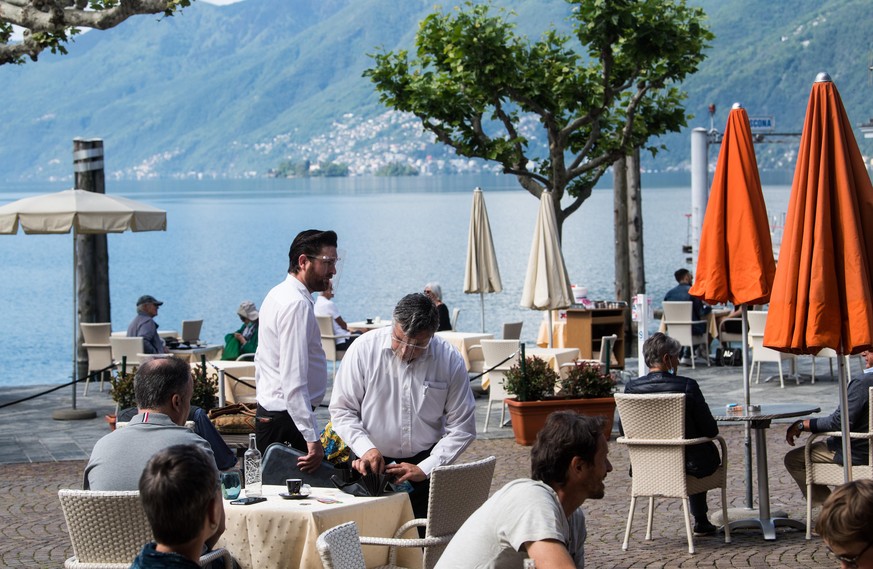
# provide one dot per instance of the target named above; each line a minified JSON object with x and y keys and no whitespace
{"x":822,"y":296}
{"x":735,"y":260}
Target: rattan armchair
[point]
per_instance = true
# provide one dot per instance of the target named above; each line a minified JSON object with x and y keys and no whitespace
{"x":340,"y":547}
{"x":654,"y":427}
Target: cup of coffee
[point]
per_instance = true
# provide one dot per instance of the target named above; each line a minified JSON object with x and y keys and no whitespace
{"x":369,"y":320}
{"x":294,"y":485}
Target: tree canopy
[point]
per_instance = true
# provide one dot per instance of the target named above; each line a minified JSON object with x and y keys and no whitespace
{"x":51,"y":24}
{"x":596,"y":94}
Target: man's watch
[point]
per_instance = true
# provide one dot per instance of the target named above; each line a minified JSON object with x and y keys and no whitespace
{"x":799,"y":425}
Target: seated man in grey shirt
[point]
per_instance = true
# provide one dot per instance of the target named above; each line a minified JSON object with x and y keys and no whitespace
{"x":163,"y":390}
{"x":539,"y":517}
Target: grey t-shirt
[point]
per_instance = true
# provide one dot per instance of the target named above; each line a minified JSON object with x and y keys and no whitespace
{"x":522,"y":511}
{"x":119,"y":458}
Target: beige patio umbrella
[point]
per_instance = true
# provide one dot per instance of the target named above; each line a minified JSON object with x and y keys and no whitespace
{"x":82,"y":212}
{"x":481,"y":273}
{"x":546,"y":283}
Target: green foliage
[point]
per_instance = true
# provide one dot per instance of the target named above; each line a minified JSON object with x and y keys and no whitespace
{"x":205,"y":388}
{"x":330,"y":170}
{"x":473,"y":79}
{"x":587,"y":380}
{"x":534,"y":383}
{"x":397,"y":169}
{"x":122,"y":389}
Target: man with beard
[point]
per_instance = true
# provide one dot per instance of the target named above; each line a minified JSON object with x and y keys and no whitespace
{"x":290,"y":366}
{"x":539,"y":517}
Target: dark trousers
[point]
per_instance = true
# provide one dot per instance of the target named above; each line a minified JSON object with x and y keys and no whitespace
{"x":697,"y":505}
{"x":277,"y":427}
{"x":420,"y":490}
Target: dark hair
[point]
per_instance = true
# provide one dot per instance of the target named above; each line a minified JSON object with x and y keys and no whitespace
{"x":157,"y":380}
{"x":565,"y":435}
{"x":416,"y":313}
{"x":176,"y":488}
{"x":309,"y":242}
{"x":847,"y":515}
{"x":657,"y":345}
{"x":681,"y":274}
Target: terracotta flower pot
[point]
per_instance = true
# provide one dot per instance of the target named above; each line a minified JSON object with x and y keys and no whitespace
{"x":528,"y":417}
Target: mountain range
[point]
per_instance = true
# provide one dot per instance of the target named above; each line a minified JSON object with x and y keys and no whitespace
{"x":233,"y":91}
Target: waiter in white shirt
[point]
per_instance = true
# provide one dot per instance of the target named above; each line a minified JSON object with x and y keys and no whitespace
{"x":402,"y":400}
{"x":290,"y":366}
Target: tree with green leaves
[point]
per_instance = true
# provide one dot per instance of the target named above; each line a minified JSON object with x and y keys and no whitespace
{"x":51,"y":24}
{"x":594,"y":96}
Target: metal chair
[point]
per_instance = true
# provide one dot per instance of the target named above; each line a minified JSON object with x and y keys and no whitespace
{"x":108,"y":530}
{"x":96,"y":342}
{"x":456,"y":491}
{"x":831,"y":474}
{"x":495,"y":352}
{"x":677,"y":318}
{"x":328,"y":342}
{"x":512,"y":330}
{"x":654,"y":427}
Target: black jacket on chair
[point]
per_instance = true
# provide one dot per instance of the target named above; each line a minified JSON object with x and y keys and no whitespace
{"x":700,"y":460}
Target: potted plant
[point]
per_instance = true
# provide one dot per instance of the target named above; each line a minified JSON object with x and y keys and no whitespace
{"x":586,"y":389}
{"x":122,"y":393}
{"x":205,"y":387}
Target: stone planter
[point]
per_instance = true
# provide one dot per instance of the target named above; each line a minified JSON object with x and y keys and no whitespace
{"x":528,"y":417}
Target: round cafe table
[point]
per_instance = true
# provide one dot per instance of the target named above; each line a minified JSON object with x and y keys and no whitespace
{"x":759,"y":420}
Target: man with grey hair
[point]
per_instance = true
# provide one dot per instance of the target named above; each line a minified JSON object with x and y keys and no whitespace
{"x":163,"y":388}
{"x":662,"y":356}
{"x":402,"y":400}
{"x":144,"y":325}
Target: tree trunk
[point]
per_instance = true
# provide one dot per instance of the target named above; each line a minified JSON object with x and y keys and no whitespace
{"x":622,"y":273}
{"x":93,"y":264}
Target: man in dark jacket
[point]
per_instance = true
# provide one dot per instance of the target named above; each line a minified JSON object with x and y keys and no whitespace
{"x":831,"y":449}
{"x":662,"y":356}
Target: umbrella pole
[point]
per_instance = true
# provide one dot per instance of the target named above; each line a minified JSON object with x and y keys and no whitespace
{"x":551,"y":334}
{"x":482,"y":304}
{"x":747,"y":399}
{"x":844,"y":419}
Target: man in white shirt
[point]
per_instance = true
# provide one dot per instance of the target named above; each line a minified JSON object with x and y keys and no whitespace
{"x":402,"y":400}
{"x":539,"y":517}
{"x":290,"y":366}
{"x":325,"y":306}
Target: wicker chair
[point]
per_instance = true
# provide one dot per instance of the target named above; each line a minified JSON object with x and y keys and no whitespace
{"x":761,"y":353}
{"x":832,"y":474}
{"x":96,"y":342}
{"x":340,"y":547}
{"x":654,"y":427}
{"x":494,"y":352}
{"x":108,"y":530}
{"x":328,"y":342}
{"x":456,"y":491}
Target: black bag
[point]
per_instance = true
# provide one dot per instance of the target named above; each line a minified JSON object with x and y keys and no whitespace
{"x":367,"y":485}
{"x":729,"y":357}
{"x":280,"y":463}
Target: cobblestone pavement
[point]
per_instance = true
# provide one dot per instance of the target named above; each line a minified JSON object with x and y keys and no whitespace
{"x":38,"y":456}
{"x":34,"y":534}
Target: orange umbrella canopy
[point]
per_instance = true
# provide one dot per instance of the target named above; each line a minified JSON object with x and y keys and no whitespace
{"x":822,"y":293}
{"x":735,"y":261}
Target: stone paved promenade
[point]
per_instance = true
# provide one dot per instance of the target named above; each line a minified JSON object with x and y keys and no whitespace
{"x":38,"y":456}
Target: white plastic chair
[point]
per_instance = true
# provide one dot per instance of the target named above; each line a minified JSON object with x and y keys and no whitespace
{"x":96,"y":342}
{"x":455,"y":313}
{"x":494,"y":352}
{"x":761,"y":353}
{"x":129,"y":347}
{"x":108,"y":530}
{"x":456,"y":491}
{"x":340,"y":547}
{"x":328,"y":342}
{"x":831,"y":474}
{"x":677,"y":318}
{"x":654,"y":427}
{"x":828,"y":353}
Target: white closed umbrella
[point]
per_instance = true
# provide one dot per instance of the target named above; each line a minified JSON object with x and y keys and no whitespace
{"x":481,"y":274}
{"x":546,"y":283}
{"x":82,"y":212}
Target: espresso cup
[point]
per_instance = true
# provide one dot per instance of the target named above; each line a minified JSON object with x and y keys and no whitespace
{"x":369,"y":320}
{"x":294,"y":485}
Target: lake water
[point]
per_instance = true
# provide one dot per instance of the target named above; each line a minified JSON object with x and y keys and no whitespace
{"x":227,"y":241}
